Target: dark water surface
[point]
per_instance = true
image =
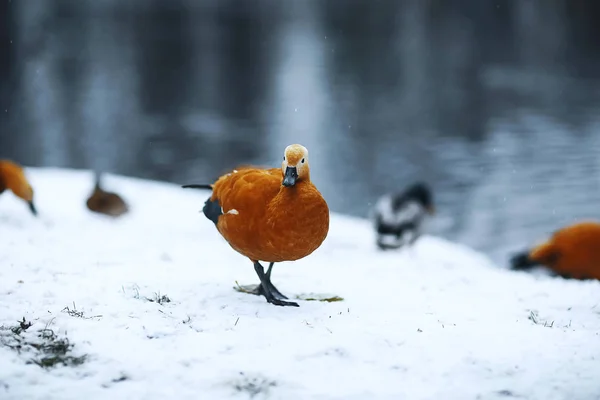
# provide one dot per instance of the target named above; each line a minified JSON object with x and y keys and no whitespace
{"x":495,"y":103}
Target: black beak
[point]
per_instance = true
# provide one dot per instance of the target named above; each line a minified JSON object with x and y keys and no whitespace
{"x":291,"y":174}
{"x":32,"y":208}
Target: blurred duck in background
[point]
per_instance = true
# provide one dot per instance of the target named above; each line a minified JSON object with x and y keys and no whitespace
{"x":571,"y":252}
{"x":398,"y":218}
{"x":103,"y":202}
{"x":13,"y":177}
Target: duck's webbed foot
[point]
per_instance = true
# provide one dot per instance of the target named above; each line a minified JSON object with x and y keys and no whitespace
{"x":253,"y":289}
{"x":267,"y":289}
{"x":259,"y":291}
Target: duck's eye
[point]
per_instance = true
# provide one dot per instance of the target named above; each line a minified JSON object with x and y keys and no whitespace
{"x":302,"y":161}
{"x":283,"y":158}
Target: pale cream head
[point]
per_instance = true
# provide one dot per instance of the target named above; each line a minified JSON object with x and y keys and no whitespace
{"x":295,"y":164}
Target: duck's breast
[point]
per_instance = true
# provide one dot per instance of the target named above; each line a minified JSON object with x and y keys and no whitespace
{"x":296,"y":224}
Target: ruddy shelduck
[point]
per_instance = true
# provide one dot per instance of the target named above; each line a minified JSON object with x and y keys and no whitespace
{"x":571,"y":252}
{"x":270,"y":215}
{"x":104,"y":202}
{"x":13,"y":177}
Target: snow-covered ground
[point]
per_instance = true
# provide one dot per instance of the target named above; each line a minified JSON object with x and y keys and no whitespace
{"x":440,"y":322}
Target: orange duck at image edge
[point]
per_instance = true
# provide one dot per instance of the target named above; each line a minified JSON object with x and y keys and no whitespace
{"x":13,"y":177}
{"x":571,"y":252}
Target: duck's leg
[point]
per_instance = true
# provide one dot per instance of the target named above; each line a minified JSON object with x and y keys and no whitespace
{"x":274,"y":290}
{"x":258,"y":289}
{"x":267,"y":288}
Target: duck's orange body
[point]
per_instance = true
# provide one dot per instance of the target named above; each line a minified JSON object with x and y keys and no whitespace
{"x":13,"y":177}
{"x":271,"y":214}
{"x":266,"y":221}
{"x":573,"y":251}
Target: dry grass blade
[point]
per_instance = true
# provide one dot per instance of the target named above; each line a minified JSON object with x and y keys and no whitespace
{"x":318,"y":297}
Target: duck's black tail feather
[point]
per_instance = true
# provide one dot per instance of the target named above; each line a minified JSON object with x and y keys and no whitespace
{"x":521,"y":261}
{"x":212,"y":210}
{"x":197,"y":186}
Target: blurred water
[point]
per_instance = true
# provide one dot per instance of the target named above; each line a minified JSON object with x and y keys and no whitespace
{"x":494,"y":103}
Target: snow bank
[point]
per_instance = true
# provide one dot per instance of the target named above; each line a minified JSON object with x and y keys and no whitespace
{"x":438,"y":322}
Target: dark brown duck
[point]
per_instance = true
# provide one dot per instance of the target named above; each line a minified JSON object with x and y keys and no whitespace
{"x":103,"y":202}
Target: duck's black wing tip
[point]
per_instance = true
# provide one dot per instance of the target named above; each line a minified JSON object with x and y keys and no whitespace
{"x":197,"y":186}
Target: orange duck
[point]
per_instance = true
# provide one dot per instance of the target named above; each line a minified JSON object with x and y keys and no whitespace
{"x":571,"y":252}
{"x":103,"y":202}
{"x":12,"y":177}
{"x":270,"y":215}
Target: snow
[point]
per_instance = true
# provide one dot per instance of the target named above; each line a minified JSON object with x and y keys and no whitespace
{"x":437,"y":322}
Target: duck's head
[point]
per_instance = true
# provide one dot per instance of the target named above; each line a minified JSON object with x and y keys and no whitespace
{"x":422,"y":193}
{"x":295,"y":165}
